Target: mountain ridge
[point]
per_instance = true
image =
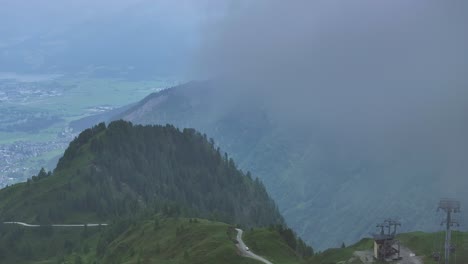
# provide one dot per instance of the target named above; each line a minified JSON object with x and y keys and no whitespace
{"x":319,"y":177}
{"x":116,"y":170}
{"x":136,"y":179}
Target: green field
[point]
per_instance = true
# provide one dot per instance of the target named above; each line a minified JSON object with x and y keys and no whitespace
{"x":85,"y":93}
{"x":335,"y":255}
{"x":47,"y":108}
{"x":75,"y":98}
{"x":176,"y":241}
{"x":424,"y":244}
{"x":270,"y":245}
{"x":162,"y":240}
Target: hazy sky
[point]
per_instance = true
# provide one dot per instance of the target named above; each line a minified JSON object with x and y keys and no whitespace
{"x":67,"y":36}
{"x":23,"y":17}
{"x":346,"y":57}
{"x":390,"y":75}
{"x":392,"y":71}
{"x":386,"y":80}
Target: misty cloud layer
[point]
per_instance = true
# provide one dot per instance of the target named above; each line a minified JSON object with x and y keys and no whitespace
{"x":377,"y":72}
{"x":384,"y":81}
{"x":146,"y":37}
{"x":363,"y":50}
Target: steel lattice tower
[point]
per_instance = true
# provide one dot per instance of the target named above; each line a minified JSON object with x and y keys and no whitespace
{"x":449,"y":207}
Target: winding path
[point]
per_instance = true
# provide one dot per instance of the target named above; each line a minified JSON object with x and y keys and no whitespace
{"x":247,"y":253}
{"x":54,"y":225}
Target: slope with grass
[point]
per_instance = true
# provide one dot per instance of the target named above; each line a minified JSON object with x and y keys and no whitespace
{"x":142,"y":181}
{"x":174,"y":241}
{"x":270,"y":244}
{"x":336,"y":255}
{"x":422,"y":244}
{"x":425,"y":244}
{"x":156,"y":240}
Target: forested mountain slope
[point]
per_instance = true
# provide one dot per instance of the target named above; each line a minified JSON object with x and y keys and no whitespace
{"x":141,"y":181}
{"x":121,"y":169}
{"x":324,"y":179}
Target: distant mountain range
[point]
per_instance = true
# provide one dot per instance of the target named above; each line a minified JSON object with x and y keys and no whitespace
{"x":329,"y":190}
{"x":144,"y":194}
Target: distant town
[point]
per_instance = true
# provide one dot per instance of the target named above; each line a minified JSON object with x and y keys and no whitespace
{"x":14,"y":157}
{"x":36,"y":111}
{"x":25,"y":92}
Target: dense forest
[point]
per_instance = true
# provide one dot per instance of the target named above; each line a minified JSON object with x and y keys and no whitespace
{"x":155,"y":187}
{"x":122,"y":169}
{"x":155,"y":179}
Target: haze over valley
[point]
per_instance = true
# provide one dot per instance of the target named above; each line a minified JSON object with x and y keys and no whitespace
{"x":37,"y":114}
{"x":308,"y":121}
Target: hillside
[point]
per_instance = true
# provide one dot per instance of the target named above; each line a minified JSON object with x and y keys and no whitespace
{"x":278,"y":245}
{"x":121,"y":169}
{"x":151,"y":185}
{"x":155,"y":240}
{"x":322,"y":179}
{"x":422,"y":244}
{"x":139,"y":180}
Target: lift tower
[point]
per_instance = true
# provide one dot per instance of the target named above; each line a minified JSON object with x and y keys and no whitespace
{"x":386,"y":246}
{"x":449,"y":207}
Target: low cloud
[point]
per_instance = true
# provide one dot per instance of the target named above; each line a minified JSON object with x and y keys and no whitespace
{"x":391,"y":75}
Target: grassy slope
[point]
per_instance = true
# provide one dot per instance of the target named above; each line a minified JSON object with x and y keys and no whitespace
{"x":424,"y":244}
{"x":172,"y":240}
{"x":46,"y":190}
{"x":335,"y":255}
{"x":202,"y":242}
{"x":270,"y":245}
{"x":44,"y":245}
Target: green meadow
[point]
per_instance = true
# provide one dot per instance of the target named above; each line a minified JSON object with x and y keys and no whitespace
{"x":38,"y":113}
